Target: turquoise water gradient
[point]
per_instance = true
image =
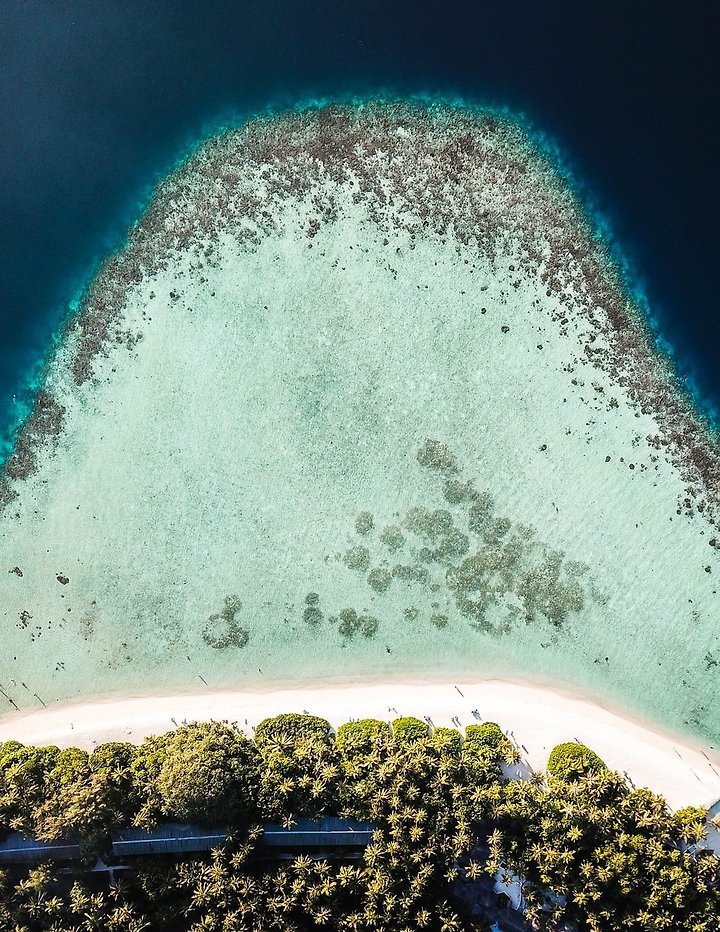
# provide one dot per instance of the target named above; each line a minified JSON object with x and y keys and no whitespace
{"x":206,"y":508}
{"x":30,"y":376}
{"x":98,"y":101}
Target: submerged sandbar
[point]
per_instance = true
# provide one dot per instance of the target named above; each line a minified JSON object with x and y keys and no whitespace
{"x":365,"y":391}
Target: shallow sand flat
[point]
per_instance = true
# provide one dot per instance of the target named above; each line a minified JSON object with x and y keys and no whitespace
{"x":202,"y":515}
{"x":537,"y":718}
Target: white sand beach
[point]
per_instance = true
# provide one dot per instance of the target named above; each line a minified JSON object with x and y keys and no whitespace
{"x":537,"y":719}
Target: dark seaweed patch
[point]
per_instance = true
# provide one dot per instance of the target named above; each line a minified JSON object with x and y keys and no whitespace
{"x":364,"y":522}
{"x":223,"y":630}
{"x":493,"y":572}
{"x":357,"y":558}
{"x":350,"y":622}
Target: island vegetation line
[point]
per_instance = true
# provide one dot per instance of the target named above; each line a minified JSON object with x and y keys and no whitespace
{"x":588,"y":851}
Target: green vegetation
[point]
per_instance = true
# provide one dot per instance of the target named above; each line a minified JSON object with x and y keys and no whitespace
{"x":691,"y":824}
{"x":205,"y":774}
{"x":292,"y":727}
{"x":570,"y":761}
{"x":448,"y":740}
{"x":407,"y":730}
{"x":489,"y":741}
{"x":359,"y":738}
{"x":592,"y":852}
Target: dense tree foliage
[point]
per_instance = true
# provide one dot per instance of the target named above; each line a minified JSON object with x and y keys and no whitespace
{"x":592,"y":853}
{"x":406,"y":730}
{"x":572,"y":760}
{"x":293,"y":727}
{"x":208,"y":774}
{"x":358,"y":738}
{"x":614,"y":854}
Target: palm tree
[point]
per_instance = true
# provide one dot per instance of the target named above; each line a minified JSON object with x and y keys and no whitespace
{"x":206,"y":924}
{"x":202,"y":895}
{"x":122,"y":918}
{"x":322,"y":915}
{"x":302,"y":865}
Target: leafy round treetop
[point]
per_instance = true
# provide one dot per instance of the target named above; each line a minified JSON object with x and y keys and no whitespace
{"x":570,"y":761}
{"x":360,"y":737}
{"x":292,"y":725}
{"x":409,"y":729}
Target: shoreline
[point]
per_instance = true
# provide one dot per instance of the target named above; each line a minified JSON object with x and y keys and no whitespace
{"x":140,"y":600}
{"x":536,"y":717}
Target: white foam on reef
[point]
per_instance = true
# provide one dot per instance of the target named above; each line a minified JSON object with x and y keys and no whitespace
{"x":362,"y":310}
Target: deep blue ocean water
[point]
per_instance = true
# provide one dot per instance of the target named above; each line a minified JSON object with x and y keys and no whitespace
{"x":99,"y":99}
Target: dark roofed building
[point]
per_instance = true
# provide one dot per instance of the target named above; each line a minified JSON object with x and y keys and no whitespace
{"x":19,"y":849}
{"x":171,"y":838}
{"x":329,"y":832}
{"x":174,"y":838}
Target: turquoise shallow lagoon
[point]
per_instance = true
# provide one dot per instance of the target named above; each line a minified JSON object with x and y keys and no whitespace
{"x":364,"y":396}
